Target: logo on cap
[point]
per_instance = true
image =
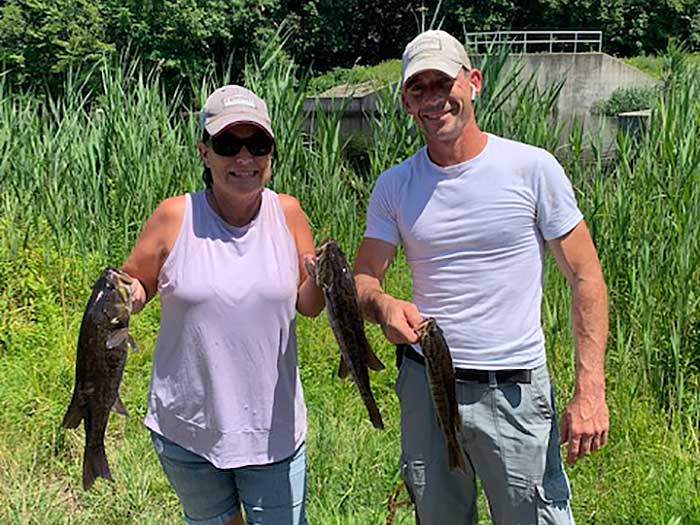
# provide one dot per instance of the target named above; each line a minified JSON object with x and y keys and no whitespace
{"x":237,"y":100}
{"x":427,"y":44}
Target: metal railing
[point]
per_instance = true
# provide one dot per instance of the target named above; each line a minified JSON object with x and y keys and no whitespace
{"x":536,"y":41}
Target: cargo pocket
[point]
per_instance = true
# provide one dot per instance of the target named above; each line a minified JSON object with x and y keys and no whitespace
{"x":413,"y":474}
{"x":519,"y":492}
{"x":553,"y":496}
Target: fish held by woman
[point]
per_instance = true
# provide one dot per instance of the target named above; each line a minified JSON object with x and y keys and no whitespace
{"x":103,"y":345}
{"x":334,"y":277}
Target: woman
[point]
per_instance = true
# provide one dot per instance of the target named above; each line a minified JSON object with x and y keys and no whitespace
{"x":225,"y":405}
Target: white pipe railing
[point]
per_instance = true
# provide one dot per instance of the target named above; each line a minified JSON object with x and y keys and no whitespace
{"x":554,"y":41}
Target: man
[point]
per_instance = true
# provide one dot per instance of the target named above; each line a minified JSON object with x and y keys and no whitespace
{"x":473,"y":212}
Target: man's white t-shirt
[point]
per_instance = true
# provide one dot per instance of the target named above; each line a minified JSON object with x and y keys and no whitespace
{"x":474,"y":237}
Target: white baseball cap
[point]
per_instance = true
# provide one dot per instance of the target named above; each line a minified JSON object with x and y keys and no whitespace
{"x":434,"y":49}
{"x":234,"y":105}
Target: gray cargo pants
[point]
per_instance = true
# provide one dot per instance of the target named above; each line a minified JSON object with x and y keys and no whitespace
{"x":510,"y":439}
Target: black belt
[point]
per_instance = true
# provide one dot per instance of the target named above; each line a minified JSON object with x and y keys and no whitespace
{"x":519,"y":375}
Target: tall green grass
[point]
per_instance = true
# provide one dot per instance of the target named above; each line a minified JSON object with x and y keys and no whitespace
{"x":80,"y":174}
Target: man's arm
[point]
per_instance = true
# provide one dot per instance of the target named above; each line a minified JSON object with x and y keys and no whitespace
{"x":398,"y":318}
{"x":585,"y":422}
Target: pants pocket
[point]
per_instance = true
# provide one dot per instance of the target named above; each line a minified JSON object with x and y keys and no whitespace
{"x":413,"y":474}
{"x":553,"y":496}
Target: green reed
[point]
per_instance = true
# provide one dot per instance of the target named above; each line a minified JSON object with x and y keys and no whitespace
{"x":83,"y":172}
{"x":80,"y":174}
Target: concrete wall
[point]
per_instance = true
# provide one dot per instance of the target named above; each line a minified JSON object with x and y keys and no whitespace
{"x":589,"y":77}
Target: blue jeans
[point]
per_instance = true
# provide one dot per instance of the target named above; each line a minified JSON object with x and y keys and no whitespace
{"x":510,"y":440}
{"x":272,"y":494}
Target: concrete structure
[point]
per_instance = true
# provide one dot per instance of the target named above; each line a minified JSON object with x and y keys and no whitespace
{"x":589,"y":77}
{"x":357,"y":102}
{"x":634,"y":122}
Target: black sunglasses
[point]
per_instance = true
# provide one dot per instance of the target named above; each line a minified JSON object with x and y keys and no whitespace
{"x":226,"y":145}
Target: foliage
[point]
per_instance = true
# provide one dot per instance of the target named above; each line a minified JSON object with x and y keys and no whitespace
{"x":345,"y":33}
{"x":624,"y":99}
{"x":41,"y":40}
{"x":382,"y":74}
{"x":80,"y":173}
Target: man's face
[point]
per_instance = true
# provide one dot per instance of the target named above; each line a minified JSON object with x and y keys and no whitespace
{"x":440,"y":104}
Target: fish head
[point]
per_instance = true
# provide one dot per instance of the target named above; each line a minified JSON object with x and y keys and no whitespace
{"x":427,"y":329}
{"x":112,"y":294}
{"x":330,"y":262}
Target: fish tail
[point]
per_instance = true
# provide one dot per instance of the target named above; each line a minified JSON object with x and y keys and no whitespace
{"x":95,"y":466}
{"x":74,"y":414}
{"x":374,"y":414}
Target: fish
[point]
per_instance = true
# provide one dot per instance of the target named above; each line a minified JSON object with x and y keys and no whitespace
{"x":441,"y":378}
{"x":334,"y":277}
{"x":103,"y":345}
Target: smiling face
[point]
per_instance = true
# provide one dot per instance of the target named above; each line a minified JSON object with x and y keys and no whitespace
{"x":441,"y":105}
{"x":243,"y":172}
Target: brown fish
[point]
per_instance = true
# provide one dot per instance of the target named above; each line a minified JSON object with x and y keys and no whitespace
{"x":334,"y":277}
{"x":441,"y":377}
{"x":103,"y":345}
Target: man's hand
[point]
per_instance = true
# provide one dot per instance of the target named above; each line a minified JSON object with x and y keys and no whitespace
{"x":398,"y":319}
{"x":584,"y":425}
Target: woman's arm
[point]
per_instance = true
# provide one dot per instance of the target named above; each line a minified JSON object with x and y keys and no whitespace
{"x":310,"y":300}
{"x":156,"y":240}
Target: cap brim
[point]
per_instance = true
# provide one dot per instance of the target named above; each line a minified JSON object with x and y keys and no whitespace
{"x":449,"y":67}
{"x":220,"y":123}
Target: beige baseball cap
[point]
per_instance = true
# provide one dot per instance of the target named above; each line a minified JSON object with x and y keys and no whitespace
{"x":434,"y":49}
{"x":234,"y":105}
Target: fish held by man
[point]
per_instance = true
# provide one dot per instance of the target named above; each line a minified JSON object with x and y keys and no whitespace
{"x":334,"y":277}
{"x":103,"y":346}
{"x":441,"y":377}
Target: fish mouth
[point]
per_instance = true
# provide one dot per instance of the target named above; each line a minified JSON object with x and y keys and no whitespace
{"x":426,"y":326}
{"x":323,"y":247}
{"x":124,"y":284}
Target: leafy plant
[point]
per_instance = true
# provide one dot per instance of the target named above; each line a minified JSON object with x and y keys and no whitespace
{"x":624,"y":99}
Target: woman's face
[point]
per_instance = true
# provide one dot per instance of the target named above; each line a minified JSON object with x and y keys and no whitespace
{"x":239,"y":158}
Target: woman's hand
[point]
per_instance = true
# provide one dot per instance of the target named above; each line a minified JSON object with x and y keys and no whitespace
{"x":310,"y":265}
{"x":138,"y":296}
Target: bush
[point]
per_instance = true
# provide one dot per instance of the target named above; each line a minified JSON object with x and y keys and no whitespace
{"x":42,"y":40}
{"x":626,"y":99}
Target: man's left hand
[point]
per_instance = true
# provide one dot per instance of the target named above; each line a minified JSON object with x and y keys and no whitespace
{"x":584,"y":425}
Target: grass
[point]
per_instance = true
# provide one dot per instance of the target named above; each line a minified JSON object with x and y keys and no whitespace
{"x":79,"y":175}
{"x":382,"y":74}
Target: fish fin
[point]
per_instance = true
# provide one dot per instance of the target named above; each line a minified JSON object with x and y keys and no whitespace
{"x":373,"y":361}
{"x":343,"y":368}
{"x":118,"y":337}
{"x":95,"y":466}
{"x":119,"y":407}
{"x":132,"y":344}
{"x":74,"y":414}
